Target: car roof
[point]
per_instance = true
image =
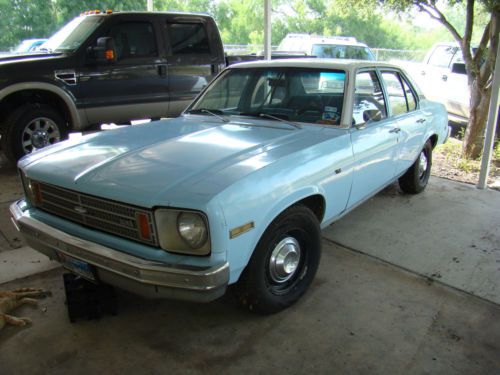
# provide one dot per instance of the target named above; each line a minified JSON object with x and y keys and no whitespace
{"x":342,"y":64}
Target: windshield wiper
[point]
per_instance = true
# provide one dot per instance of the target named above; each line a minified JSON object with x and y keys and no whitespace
{"x":212,"y":112}
{"x":267,"y":115}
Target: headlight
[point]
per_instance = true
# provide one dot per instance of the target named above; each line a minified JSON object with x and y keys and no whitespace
{"x":181,"y":231}
{"x":192,"y":229}
{"x":31,"y":189}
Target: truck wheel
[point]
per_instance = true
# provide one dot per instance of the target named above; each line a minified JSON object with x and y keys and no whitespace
{"x":416,"y":177}
{"x":31,"y":127}
{"x":284,"y":262}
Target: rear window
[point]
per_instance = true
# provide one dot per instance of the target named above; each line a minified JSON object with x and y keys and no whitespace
{"x":336,"y":51}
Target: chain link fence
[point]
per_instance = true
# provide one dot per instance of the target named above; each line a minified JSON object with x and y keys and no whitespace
{"x":382,"y":54}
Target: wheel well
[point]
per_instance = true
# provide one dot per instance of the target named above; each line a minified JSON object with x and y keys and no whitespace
{"x":434,"y":139}
{"x":316,"y":203}
{"x":19,"y":98}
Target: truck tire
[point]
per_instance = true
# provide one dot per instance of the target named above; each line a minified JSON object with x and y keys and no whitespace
{"x":416,"y":177}
{"x":30,"y":127}
{"x":283,"y":263}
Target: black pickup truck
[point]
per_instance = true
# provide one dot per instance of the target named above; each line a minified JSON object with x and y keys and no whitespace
{"x":107,"y":67}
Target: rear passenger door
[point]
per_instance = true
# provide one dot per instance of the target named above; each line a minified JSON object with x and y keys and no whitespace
{"x":193,"y":59}
{"x":136,"y":85}
{"x":411,"y":121}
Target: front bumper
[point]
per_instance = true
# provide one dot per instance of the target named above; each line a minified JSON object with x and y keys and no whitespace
{"x":143,"y":277}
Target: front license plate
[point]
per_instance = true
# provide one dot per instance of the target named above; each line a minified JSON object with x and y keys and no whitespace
{"x":77,"y":266}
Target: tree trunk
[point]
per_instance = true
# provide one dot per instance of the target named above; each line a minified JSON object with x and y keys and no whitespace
{"x":474,"y":134}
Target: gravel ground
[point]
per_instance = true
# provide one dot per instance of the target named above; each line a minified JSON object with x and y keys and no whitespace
{"x":447,"y":163}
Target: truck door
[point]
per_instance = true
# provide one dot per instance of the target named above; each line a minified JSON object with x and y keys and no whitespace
{"x":136,"y":85}
{"x":374,"y":142}
{"x":193,"y":60}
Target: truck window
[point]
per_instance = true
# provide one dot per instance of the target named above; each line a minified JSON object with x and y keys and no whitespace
{"x":442,"y":56}
{"x":134,"y":39}
{"x":188,"y":38}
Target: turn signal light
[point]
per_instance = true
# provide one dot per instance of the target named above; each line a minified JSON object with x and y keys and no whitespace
{"x":109,"y":54}
{"x":144,"y":227}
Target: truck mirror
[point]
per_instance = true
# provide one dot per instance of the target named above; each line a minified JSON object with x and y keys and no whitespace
{"x":105,"y":50}
{"x":458,"y":68}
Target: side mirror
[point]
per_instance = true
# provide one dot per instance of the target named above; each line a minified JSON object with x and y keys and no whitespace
{"x":458,"y":68}
{"x":104,"y":51}
{"x":372,"y":115}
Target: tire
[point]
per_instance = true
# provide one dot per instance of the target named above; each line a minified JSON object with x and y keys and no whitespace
{"x":417,"y":176}
{"x":31,"y":127}
{"x":284,"y":262}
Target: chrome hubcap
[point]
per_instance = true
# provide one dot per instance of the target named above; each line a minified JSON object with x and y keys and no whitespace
{"x":422,"y":164}
{"x":284,"y":260}
{"x":39,"y":133}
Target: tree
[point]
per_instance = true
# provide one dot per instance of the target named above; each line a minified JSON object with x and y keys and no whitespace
{"x":479,"y":64}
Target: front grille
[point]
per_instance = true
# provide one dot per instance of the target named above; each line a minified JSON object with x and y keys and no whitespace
{"x":104,"y":215}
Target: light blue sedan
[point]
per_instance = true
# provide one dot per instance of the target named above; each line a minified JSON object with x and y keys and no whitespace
{"x":238,"y":188}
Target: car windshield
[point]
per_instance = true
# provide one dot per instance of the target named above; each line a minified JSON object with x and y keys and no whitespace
{"x":292,"y":94}
{"x":71,"y":36}
{"x":338,"y":51}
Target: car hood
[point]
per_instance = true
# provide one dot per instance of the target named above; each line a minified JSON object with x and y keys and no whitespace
{"x":13,"y":58}
{"x":161,"y":162}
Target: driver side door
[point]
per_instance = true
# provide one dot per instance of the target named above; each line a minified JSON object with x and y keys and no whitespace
{"x":374,"y":142}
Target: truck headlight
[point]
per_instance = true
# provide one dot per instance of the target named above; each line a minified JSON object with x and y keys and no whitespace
{"x":182,"y":231}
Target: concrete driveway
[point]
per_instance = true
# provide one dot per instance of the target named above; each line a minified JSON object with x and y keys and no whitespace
{"x":362,"y":314}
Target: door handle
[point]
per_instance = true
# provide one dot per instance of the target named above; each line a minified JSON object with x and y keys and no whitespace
{"x":444,"y":77}
{"x":421,"y":120}
{"x":162,"y":70}
{"x":395,"y":130}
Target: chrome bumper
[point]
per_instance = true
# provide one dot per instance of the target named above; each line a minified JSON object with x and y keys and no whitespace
{"x":147,"y":278}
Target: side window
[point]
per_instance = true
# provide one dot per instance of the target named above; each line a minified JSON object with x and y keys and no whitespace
{"x":134,"y":39}
{"x":188,"y":38}
{"x":395,"y":93}
{"x":368,"y":95}
{"x":410,"y":96}
{"x":442,"y":56}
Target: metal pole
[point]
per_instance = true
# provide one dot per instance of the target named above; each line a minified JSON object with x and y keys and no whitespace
{"x":267,"y":29}
{"x":490,"y":127}
{"x":150,"y":5}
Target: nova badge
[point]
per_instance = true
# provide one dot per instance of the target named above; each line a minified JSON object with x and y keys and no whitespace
{"x":80,"y":210}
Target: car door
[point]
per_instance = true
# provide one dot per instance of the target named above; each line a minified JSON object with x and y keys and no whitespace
{"x":407,"y":116}
{"x":136,"y":85}
{"x":192,"y":60}
{"x":374,"y":141}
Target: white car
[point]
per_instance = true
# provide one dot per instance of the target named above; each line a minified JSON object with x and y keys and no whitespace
{"x":334,"y":47}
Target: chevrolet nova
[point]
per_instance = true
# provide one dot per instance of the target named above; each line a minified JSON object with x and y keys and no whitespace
{"x":237,"y":189}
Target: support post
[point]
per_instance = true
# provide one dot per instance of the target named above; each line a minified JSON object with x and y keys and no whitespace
{"x":267,"y":29}
{"x":490,"y":127}
{"x":150,"y":6}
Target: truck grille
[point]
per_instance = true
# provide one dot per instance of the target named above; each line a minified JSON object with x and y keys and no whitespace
{"x":101,"y":214}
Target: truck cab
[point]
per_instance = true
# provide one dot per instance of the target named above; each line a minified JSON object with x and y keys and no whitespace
{"x":102,"y":68}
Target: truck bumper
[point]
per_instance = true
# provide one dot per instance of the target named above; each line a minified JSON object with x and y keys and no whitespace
{"x":143,"y":277}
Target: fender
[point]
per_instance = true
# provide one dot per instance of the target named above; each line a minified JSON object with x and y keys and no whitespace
{"x":242,"y":248}
{"x":78,"y":119}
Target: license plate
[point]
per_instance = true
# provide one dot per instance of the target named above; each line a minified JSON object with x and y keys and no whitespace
{"x":77,"y":266}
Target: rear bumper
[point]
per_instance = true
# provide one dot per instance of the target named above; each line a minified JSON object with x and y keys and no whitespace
{"x":143,"y":277}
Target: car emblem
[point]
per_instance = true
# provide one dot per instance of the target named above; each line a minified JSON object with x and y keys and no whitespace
{"x":80,"y":210}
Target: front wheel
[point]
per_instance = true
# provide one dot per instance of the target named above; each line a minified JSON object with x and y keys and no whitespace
{"x":31,"y":127}
{"x":417,"y":176}
{"x":284,"y":262}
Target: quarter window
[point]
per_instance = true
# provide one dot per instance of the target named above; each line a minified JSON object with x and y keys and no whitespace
{"x":401,"y":97}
